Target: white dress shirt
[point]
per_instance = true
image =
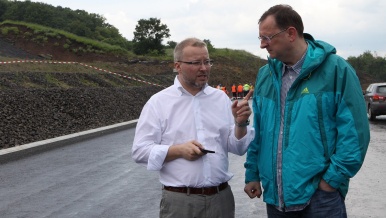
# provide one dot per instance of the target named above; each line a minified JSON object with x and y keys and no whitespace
{"x":174,"y":116}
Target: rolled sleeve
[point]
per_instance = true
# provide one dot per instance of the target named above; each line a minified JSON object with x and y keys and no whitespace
{"x":157,"y":157}
{"x":240,"y":146}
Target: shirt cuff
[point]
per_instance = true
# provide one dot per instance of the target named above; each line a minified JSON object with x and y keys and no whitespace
{"x":157,"y":157}
{"x":243,"y":143}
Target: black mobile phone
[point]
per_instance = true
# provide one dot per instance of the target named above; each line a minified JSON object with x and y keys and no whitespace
{"x":206,"y":151}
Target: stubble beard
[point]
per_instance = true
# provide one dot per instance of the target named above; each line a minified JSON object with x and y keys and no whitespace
{"x":194,"y":83}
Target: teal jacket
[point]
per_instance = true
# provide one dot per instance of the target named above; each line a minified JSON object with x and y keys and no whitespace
{"x":326,"y":131}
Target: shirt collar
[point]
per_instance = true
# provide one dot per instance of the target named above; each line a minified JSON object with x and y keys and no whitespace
{"x":181,"y":89}
{"x":296,"y":67}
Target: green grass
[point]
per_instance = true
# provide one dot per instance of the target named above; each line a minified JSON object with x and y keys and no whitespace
{"x":42,"y":33}
{"x":52,"y":80}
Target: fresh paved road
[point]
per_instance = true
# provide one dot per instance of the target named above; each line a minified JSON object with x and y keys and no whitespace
{"x":97,"y":178}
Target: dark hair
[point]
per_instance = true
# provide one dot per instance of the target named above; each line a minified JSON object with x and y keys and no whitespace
{"x":285,"y":17}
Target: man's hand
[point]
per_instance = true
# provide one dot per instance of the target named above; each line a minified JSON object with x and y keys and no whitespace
{"x":189,"y":151}
{"x":323,"y":185}
{"x":241,"y":110}
{"x":253,"y":189}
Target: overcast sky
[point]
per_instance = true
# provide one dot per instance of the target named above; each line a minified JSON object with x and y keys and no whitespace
{"x":352,"y":26}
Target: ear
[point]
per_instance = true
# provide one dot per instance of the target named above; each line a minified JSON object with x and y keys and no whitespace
{"x":292,"y":33}
{"x":177,"y":66}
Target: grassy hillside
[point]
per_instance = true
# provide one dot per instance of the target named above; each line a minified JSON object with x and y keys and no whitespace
{"x":231,"y":66}
{"x":53,"y":83}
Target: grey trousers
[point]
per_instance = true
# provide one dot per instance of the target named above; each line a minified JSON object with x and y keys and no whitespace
{"x":181,"y":205}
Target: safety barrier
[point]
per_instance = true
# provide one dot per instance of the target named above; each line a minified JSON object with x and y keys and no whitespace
{"x":72,"y":62}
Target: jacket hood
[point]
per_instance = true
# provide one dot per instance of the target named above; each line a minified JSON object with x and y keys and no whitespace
{"x":317,"y":52}
{"x":319,"y":46}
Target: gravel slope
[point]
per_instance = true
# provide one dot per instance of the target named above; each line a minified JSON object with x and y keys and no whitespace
{"x":37,"y":114}
{"x":34,"y":114}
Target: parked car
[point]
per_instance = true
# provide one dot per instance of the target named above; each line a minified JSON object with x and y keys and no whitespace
{"x":375,"y":97}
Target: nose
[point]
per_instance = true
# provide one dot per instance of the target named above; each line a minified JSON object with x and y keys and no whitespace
{"x":203,"y":66}
{"x":263,"y":44}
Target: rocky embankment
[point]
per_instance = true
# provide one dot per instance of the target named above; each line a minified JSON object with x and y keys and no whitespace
{"x":29,"y":115}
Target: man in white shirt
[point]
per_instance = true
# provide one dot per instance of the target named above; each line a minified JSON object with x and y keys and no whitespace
{"x":181,"y":120}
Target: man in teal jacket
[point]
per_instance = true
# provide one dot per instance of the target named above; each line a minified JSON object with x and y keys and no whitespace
{"x":310,"y":121}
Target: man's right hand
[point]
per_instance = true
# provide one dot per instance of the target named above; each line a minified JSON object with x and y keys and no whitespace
{"x":253,"y":189}
{"x":189,"y":151}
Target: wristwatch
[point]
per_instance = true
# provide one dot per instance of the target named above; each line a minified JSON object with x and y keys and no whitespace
{"x":242,"y":124}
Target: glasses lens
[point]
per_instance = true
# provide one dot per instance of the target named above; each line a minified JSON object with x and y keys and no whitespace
{"x":264,"y":38}
{"x":208,"y":63}
{"x":196,"y":63}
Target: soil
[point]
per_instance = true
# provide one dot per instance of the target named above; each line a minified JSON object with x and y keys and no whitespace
{"x":45,"y":111}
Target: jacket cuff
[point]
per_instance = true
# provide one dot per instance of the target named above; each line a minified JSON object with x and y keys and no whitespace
{"x":251,"y":176}
{"x":333,"y":177}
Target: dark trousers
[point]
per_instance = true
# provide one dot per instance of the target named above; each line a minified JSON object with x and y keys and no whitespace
{"x":323,"y":205}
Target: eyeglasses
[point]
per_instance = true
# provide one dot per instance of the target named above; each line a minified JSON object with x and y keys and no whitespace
{"x":207,"y":63}
{"x":269,"y":38}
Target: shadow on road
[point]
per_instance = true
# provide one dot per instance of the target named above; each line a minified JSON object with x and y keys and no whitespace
{"x":379,"y":121}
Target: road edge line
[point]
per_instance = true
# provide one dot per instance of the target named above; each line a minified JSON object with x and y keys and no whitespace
{"x":20,"y":151}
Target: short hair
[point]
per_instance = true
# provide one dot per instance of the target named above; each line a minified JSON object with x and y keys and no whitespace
{"x":285,"y":17}
{"x":178,"y":50}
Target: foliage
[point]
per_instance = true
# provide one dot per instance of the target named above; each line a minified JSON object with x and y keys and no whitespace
{"x":7,"y":30}
{"x":370,"y":64}
{"x":171,"y":44}
{"x":3,"y":7}
{"x":148,"y":37}
{"x":78,"y":22}
{"x":39,"y":33}
{"x":209,"y":45}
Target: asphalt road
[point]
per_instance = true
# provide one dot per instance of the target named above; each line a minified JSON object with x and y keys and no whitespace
{"x":97,"y":178}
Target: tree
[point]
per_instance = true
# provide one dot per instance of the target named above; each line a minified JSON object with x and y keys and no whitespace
{"x":79,"y":22}
{"x":369,"y":64}
{"x":171,"y":44}
{"x":3,"y":8}
{"x":209,"y":45}
{"x":148,"y":36}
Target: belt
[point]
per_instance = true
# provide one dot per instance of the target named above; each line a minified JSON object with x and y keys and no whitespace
{"x":198,"y":191}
